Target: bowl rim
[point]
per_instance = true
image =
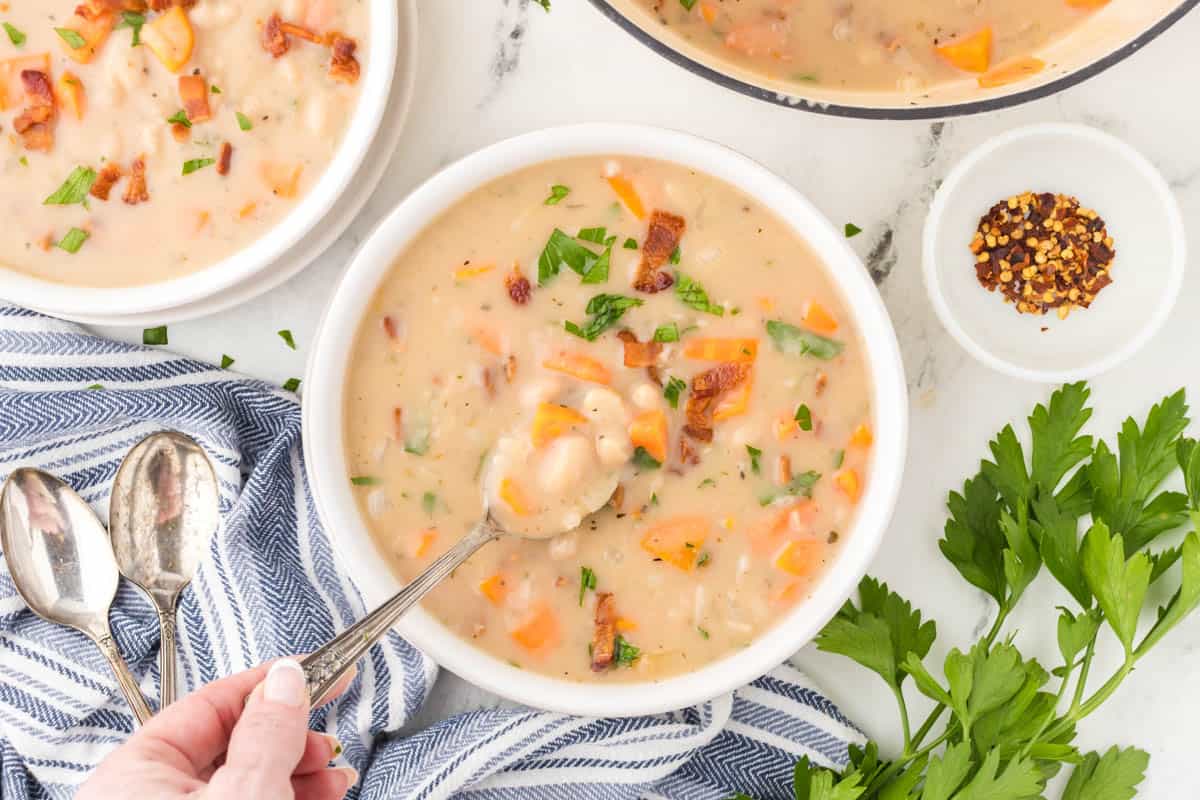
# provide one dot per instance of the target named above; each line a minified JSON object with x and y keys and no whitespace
{"x":261,"y":253}
{"x":323,"y":413}
{"x":932,"y":112}
{"x":959,"y":173}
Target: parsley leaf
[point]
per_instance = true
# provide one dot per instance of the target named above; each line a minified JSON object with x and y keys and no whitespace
{"x":72,"y":38}
{"x":625,"y":654}
{"x":594,"y":235}
{"x":947,"y":772}
{"x":180,"y":117}
{"x":644,"y":461}
{"x":672,"y":391}
{"x":197,"y":163}
{"x":852,"y":230}
{"x":243,"y":121}
{"x":545,"y":4}
{"x":587,"y":580}
{"x":226,"y":361}
{"x":291,"y":384}
{"x":1113,"y":776}
{"x":693,"y":295}
{"x":1120,"y":586}
{"x":155,"y":336}
{"x":429,"y":502}
{"x":794,"y":341}
{"x":630,"y":244}
{"x":606,"y":310}
{"x":557,"y":193}
{"x":134,"y":20}
{"x":667,"y":333}
{"x":755,"y":456}
{"x":562,"y":250}
{"x":73,"y":240}
{"x":804,"y":417}
{"x":365,"y":480}
{"x":15,"y":36}
{"x":74,"y":189}
{"x":287,"y":337}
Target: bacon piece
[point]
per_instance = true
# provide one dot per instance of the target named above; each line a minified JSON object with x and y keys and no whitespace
{"x":94,"y":8}
{"x":653,"y":373}
{"x":193,"y":93}
{"x":343,"y":66}
{"x":639,"y":354}
{"x":604,"y":637}
{"x":225,"y":159}
{"x":618,"y":498}
{"x":822,"y":382}
{"x":707,"y":388}
{"x":109,"y":175}
{"x":398,"y":424}
{"x":687,"y":454}
{"x":136,"y":191}
{"x":36,"y":123}
{"x":163,"y":5}
{"x":489,"y":385}
{"x":510,"y":368}
{"x":661,"y":240}
{"x":274,"y":40}
{"x":301,"y":32}
{"x":519,"y":289}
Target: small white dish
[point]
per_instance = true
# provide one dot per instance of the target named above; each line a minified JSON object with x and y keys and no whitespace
{"x":324,"y":447}
{"x":1107,"y":175}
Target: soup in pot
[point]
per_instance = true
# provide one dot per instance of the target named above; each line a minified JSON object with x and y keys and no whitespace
{"x":619,"y":334}
{"x":142,"y":140}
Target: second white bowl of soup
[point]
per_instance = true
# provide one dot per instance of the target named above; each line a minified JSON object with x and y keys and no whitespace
{"x":164,"y":152}
{"x":623,"y":310}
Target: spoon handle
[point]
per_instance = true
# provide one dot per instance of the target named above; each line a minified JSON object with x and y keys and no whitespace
{"x":166,"y":657}
{"x":325,"y":667}
{"x":125,"y":679}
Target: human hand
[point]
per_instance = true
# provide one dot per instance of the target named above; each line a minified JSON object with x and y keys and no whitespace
{"x":215,"y":744}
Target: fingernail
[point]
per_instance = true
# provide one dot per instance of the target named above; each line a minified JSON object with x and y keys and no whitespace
{"x":350,"y":774}
{"x":335,"y":746}
{"x":285,"y":684}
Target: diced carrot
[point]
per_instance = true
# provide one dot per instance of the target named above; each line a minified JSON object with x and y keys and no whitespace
{"x":818,"y":319}
{"x":862,"y":436}
{"x":628,"y":195}
{"x":551,"y":421}
{"x":488,"y":339}
{"x":788,"y":522}
{"x":1011,"y":72}
{"x":494,"y":588}
{"x":69,"y":91}
{"x":466,"y":273}
{"x":514,"y":497}
{"x":170,"y":37}
{"x":202,"y":219}
{"x":649,"y":430}
{"x":539,"y":629}
{"x":677,"y":540}
{"x":800,"y":557}
{"x":12,"y":90}
{"x":625,"y":625}
{"x":1089,"y":5}
{"x":729,"y":523}
{"x":709,"y":12}
{"x":737,"y":402}
{"x":848,"y":483}
{"x":766,"y":303}
{"x":788,"y":595}
{"x":193,"y":93}
{"x":711,"y":349}
{"x":93,"y":29}
{"x":972,"y":53}
{"x":282,"y":179}
{"x":247,"y":210}
{"x":579,"y":366}
{"x":424,"y":543}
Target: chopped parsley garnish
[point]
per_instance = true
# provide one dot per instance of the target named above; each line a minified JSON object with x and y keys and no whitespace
{"x":838,"y":457}
{"x":587,"y":580}
{"x":215,"y":89}
{"x":545,"y":4}
{"x":72,"y":38}
{"x":704,"y":558}
{"x":366,"y":480}
{"x":630,"y":244}
{"x":74,"y":189}
{"x":180,"y":117}
{"x":197,"y":163}
{"x":291,"y":384}
{"x":429,"y":502}
{"x":95,"y":387}
{"x":596,"y":235}
{"x":755,"y":455}
{"x":606,"y":310}
{"x":672,"y":391}
{"x":804,"y":417}
{"x":852,"y":230}
{"x":676,"y":255}
{"x":287,"y":337}
{"x":15,"y":36}
{"x":687,"y":4}
{"x":23,"y":161}
{"x":155,"y":336}
{"x":562,"y":250}
{"x":643,"y":460}
{"x":557,"y":193}
{"x":707,"y":483}
{"x":73,"y":240}
{"x":134,"y":20}
{"x":693,"y":295}
{"x":226,"y":362}
{"x":795,"y":341}
{"x":703,"y":633}
{"x":799,"y":486}
{"x":667,"y":333}
{"x":416,"y":438}
{"x":243,"y":121}
{"x":625,"y":654}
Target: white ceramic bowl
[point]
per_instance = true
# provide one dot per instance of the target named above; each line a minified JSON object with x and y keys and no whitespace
{"x":1107,"y":175}
{"x":79,"y":302}
{"x":323,"y":415}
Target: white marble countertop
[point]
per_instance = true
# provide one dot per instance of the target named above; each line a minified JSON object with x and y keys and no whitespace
{"x":490,"y":69}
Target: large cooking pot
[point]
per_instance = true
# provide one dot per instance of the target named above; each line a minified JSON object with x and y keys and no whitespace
{"x":1111,"y":34}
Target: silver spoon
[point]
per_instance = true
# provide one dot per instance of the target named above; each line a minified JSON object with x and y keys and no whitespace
{"x":325,"y":668}
{"x":62,"y":564}
{"x":162,"y":516}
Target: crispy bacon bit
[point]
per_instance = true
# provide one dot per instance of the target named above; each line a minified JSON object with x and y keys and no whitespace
{"x":687,"y":454}
{"x":36,"y":123}
{"x":518,"y":286}
{"x":274,"y":40}
{"x":707,"y":388}
{"x":225,"y":159}
{"x":343,"y":66}
{"x":109,"y":175}
{"x":822,"y":382}
{"x":93,"y":8}
{"x":510,"y":368}
{"x":618,"y":497}
{"x":653,"y":373}
{"x":301,"y":32}
{"x":193,"y":93}
{"x":639,"y":354}
{"x":161,"y":5}
{"x":604,"y":638}
{"x":661,"y":240}
{"x":398,"y":424}
{"x":46,"y":242}
{"x":136,"y":191}
{"x":489,"y":386}
{"x":391,"y":328}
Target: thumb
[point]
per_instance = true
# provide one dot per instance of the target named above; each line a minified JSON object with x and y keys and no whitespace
{"x":269,"y":738}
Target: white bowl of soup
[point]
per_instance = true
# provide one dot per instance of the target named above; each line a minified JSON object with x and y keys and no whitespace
{"x":896,"y":59}
{"x":158,"y":152}
{"x":624,"y":310}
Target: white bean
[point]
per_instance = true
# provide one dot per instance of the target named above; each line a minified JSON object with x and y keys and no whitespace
{"x":605,"y":407}
{"x":564,"y":546}
{"x":541,"y":390}
{"x":566,"y":461}
{"x":647,"y":396}
{"x":613,"y":447}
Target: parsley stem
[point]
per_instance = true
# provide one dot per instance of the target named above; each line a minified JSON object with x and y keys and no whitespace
{"x":904,"y":724}
{"x":1092,"y":703}
{"x":1081,"y":685}
{"x":896,"y":766}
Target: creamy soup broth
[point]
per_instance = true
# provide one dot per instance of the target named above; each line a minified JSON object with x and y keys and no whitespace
{"x":464,"y":383}
{"x":233,"y":92}
{"x":905,"y":45}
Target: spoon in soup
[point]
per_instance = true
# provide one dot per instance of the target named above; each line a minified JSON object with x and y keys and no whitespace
{"x":62,"y":564}
{"x":325,"y":668}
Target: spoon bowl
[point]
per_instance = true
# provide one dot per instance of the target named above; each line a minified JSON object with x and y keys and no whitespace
{"x":62,"y":564}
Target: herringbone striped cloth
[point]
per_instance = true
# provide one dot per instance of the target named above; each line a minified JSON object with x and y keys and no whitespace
{"x":271,"y":586}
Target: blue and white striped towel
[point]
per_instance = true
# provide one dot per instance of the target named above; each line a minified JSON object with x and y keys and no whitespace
{"x":271,"y":585}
